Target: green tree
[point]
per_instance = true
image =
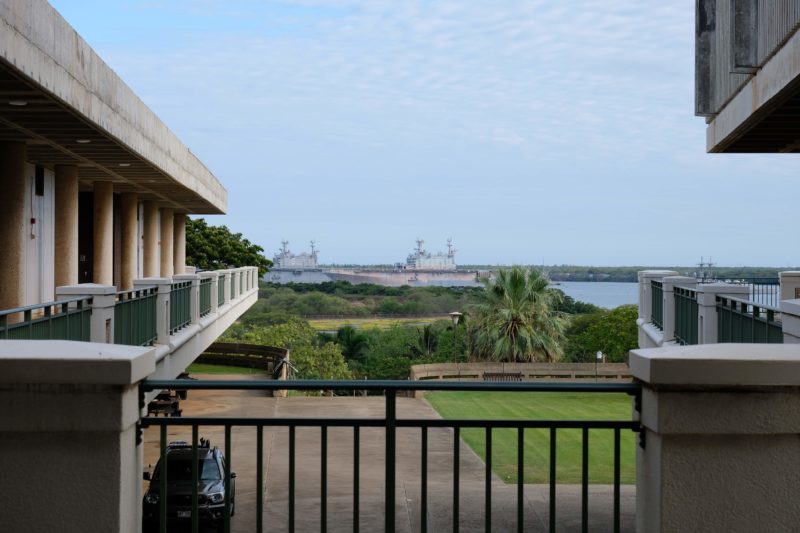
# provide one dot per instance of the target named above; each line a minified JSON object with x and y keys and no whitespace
{"x":516,"y":320}
{"x":612,"y":332}
{"x":353,"y":343}
{"x":215,"y":247}
{"x":425,"y":343}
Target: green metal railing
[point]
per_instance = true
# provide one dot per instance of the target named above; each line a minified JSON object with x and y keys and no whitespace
{"x":205,"y":296}
{"x":241,"y":282}
{"x":233,"y":286}
{"x":61,"y":320}
{"x":135,"y":317}
{"x":686,"y":312}
{"x":657,"y":301}
{"x":220,"y":289}
{"x":390,"y":423}
{"x":180,"y":312}
{"x":740,"y":320}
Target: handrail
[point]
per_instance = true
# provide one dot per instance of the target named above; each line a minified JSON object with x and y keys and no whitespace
{"x":748,"y":302}
{"x":43,"y":305}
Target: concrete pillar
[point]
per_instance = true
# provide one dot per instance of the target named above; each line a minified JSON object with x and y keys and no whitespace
{"x":790,"y":285}
{"x":66,"y":225}
{"x":129,"y":206}
{"x":150,"y":238}
{"x":645,"y":296}
{"x":215,"y":281}
{"x":179,"y":244}
{"x":101,"y":326}
{"x":668,"y":287}
{"x":225,"y":278}
{"x":164,"y":286}
{"x":707,"y":307}
{"x":71,"y":453}
{"x":103,"y":251}
{"x":167,"y":241}
{"x":12,"y":225}
{"x":720,"y":425}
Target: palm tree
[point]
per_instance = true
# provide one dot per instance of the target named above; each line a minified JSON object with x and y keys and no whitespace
{"x":353,"y":343}
{"x":425,"y":343}
{"x":516,"y":320}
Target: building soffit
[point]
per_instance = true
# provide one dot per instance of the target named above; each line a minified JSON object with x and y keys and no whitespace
{"x":128,"y":144}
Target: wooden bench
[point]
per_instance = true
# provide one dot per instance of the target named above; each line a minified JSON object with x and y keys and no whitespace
{"x":502,"y":376}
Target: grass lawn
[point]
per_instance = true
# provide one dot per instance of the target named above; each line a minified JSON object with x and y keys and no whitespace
{"x":545,"y":406}
{"x":332,"y":324}
{"x":198,"y":368}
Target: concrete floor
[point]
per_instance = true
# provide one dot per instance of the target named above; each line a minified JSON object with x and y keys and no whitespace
{"x":340,"y":471}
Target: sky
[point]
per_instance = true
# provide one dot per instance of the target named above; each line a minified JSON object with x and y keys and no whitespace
{"x":528,"y":131}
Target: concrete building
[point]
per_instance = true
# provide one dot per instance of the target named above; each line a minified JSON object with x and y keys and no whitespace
{"x":95,"y":293}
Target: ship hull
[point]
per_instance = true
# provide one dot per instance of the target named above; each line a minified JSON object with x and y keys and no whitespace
{"x":392,"y":278}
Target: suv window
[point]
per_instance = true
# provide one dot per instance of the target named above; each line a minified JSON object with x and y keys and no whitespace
{"x":180,"y":469}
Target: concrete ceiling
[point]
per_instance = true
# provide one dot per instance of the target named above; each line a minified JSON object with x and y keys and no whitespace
{"x":51,"y":130}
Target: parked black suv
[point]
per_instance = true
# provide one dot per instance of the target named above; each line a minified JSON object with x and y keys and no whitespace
{"x":210,"y":489}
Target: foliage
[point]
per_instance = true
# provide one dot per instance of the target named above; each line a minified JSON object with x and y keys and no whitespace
{"x":215,"y":247}
{"x":516,"y":319}
{"x":353,"y":343}
{"x":312,"y":357}
{"x":612,"y":332}
{"x":425,"y":343}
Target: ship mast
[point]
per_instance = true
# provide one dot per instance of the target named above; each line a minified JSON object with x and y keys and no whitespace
{"x":313,"y":249}
{"x":450,"y":250}
{"x":420,"y":249}
{"x":284,"y":247}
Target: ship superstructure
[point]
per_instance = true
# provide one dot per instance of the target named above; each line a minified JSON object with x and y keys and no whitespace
{"x":421,"y":259}
{"x":286,"y":260}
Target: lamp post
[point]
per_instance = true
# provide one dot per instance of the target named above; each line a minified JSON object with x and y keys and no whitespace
{"x":455,"y":316}
{"x":598,"y":358}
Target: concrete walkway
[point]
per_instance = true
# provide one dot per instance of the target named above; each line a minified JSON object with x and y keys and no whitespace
{"x":340,"y":471}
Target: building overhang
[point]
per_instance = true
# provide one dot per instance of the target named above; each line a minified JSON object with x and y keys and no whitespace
{"x":764,"y":115}
{"x":56,"y":94}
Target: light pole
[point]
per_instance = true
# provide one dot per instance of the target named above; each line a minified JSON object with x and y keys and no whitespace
{"x":455,"y":316}
{"x":598,"y":358}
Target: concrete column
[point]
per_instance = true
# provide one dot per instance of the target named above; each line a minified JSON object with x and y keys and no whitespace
{"x":167,"y":235}
{"x":707,"y":307}
{"x":225,"y":277}
{"x":150,"y":238}
{"x":66,"y":225}
{"x":215,"y":281}
{"x":164,"y":286}
{"x":645,"y":295}
{"x":790,"y":285}
{"x":76,"y":435}
{"x":194,"y":295}
{"x":720,"y":425}
{"x":179,"y":244}
{"x":101,"y":326}
{"x":103,"y":251}
{"x":668,"y":287}
{"x":129,"y":204}
{"x":12,"y":225}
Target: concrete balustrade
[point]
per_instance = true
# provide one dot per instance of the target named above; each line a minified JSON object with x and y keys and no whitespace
{"x":720,"y":426}
{"x":194,"y":295}
{"x":101,"y":326}
{"x":707,"y":307}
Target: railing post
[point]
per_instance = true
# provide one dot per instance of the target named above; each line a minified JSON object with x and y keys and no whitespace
{"x":707,"y":308}
{"x":645,"y":305}
{"x":194,"y":295}
{"x":164,"y":286}
{"x":790,"y":285}
{"x":720,"y":424}
{"x":75,"y":437}
{"x":101,"y":325}
{"x":669,"y":303}
{"x":214,"y":291}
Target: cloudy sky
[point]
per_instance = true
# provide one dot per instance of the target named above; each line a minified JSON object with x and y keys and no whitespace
{"x":529,"y":131}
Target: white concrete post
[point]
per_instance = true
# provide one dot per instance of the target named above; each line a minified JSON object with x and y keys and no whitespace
{"x":70,"y":451}
{"x":669,"y":283}
{"x":225,"y":279}
{"x":164,"y":286}
{"x":214,"y":290}
{"x":645,"y":296}
{"x":707,"y":308}
{"x":235,"y":273}
{"x":720,"y":426}
{"x":194,"y":295}
{"x":101,"y":326}
{"x":790,"y":285}
{"x":790,"y":318}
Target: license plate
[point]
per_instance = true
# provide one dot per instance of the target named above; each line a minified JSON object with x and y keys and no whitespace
{"x":184,"y":514}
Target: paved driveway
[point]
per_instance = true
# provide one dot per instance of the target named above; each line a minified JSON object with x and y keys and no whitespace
{"x":340,"y":471}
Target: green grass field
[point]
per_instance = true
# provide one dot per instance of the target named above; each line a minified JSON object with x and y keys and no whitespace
{"x":199,"y":368}
{"x":545,"y":406}
{"x":332,"y":324}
